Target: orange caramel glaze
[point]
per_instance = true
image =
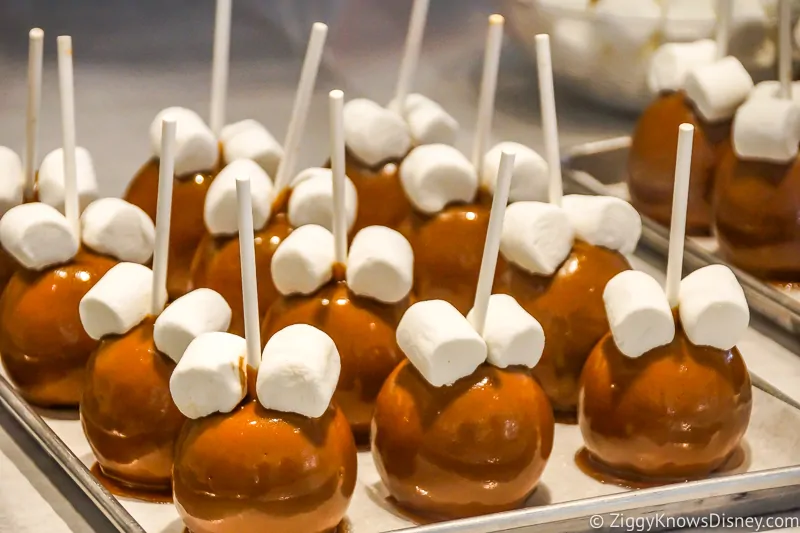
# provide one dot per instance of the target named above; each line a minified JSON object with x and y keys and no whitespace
{"x":569,"y":306}
{"x":256,"y":469}
{"x":186,"y":223}
{"x":364,"y":333}
{"x":757,"y":216}
{"x":127,"y":411}
{"x":476,"y":447}
{"x":217,"y":265}
{"x":651,"y":162}
{"x":381,"y":198}
{"x":43,"y":346}
{"x":678,"y":412}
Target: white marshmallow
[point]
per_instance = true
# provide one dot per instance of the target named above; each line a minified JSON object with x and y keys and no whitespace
{"x":435,"y":175}
{"x":50,"y":181}
{"x":513,"y":337}
{"x":380,"y":265}
{"x":37,"y":236}
{"x":374,"y":134}
{"x":188,"y":317}
{"x":220,"y":211}
{"x":119,"y":229}
{"x":638,"y":313}
{"x":604,"y":221}
{"x":299,"y":371}
{"x":529,"y":180}
{"x":12,"y":180}
{"x":719,"y":88}
{"x":767,"y":129}
{"x":118,"y":302}
{"x":304,"y":260}
{"x":427,"y":121}
{"x":672,"y":62}
{"x":196,"y":147}
{"x":713,"y":308}
{"x":771,"y":89}
{"x":536,"y":237}
{"x":440,"y":342}
{"x":211,"y":376}
{"x":629,"y":23}
{"x":689,"y":20}
{"x":574,"y":45}
{"x":248,"y":139}
{"x":311,"y":201}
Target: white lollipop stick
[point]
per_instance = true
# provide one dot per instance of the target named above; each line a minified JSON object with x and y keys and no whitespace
{"x":785,"y":49}
{"x":302,"y":101}
{"x":547,"y":99}
{"x":66,"y":84}
{"x":680,"y":199}
{"x":166,"y":171}
{"x":492,"y":246}
{"x":247,"y":257}
{"x":220,"y":65}
{"x":337,"y":168}
{"x":723,"y":32}
{"x":491,"y":64}
{"x":35,"y":49}
{"x":408,"y":66}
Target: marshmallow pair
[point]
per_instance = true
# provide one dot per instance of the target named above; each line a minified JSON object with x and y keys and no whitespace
{"x":380,"y":263}
{"x":717,"y":89}
{"x":428,"y":122}
{"x":220,"y":211}
{"x":767,"y":129}
{"x":672,"y":62}
{"x":711,"y":304}
{"x":311,"y":201}
{"x":196,"y":147}
{"x":50,"y":180}
{"x":248,"y":139}
{"x":444,"y":347}
{"x":373,"y":133}
{"x":12,"y":180}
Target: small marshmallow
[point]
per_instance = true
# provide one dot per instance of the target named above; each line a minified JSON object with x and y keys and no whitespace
{"x":119,"y":229}
{"x":248,"y":139}
{"x":304,"y":260}
{"x":536,"y":237}
{"x":604,"y":221}
{"x":574,"y":45}
{"x":220,"y":211}
{"x":713,"y":308}
{"x":630,"y":23}
{"x":196,"y":147}
{"x":529,"y":180}
{"x":37,"y":236}
{"x":299,"y":371}
{"x":719,"y":88}
{"x":380,"y":265}
{"x":118,"y":302}
{"x":188,"y":317}
{"x":435,"y":175}
{"x":638,"y":313}
{"x":311,"y":201}
{"x":427,"y":121}
{"x":672,"y":62}
{"x":374,"y":134}
{"x":513,"y":337}
{"x":50,"y":181}
{"x":12,"y":180}
{"x":772,"y":89}
{"x":211,"y":376}
{"x":767,"y":129}
{"x":689,"y":20}
{"x":440,"y":342}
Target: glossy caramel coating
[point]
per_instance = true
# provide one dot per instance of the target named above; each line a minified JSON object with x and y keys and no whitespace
{"x":651,"y":163}
{"x":476,"y":447}
{"x":127,"y":411}
{"x":757,"y":216}
{"x":364,"y":333}
{"x":381,"y":198}
{"x":43,"y":346}
{"x":569,"y":306}
{"x":186,"y":223}
{"x":678,"y":412}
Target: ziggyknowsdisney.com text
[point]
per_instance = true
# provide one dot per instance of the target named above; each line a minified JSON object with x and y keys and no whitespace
{"x":715,"y":521}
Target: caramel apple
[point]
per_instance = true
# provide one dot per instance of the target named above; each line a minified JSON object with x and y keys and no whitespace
{"x":382,"y":201}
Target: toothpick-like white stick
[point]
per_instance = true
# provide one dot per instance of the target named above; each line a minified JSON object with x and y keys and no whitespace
{"x":492,"y":246}
{"x":247,"y":257}
{"x":220,"y":65}
{"x":723,"y":31}
{"x":66,"y":84}
{"x":166,"y":171}
{"x":35,"y":49}
{"x":491,"y":64}
{"x":408,"y":65}
{"x":337,"y":168}
{"x":547,"y":103}
{"x":785,"y":49}
{"x":302,"y":101}
{"x":680,"y":200}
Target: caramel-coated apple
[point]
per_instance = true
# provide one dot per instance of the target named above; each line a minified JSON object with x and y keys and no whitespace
{"x":381,"y":199}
